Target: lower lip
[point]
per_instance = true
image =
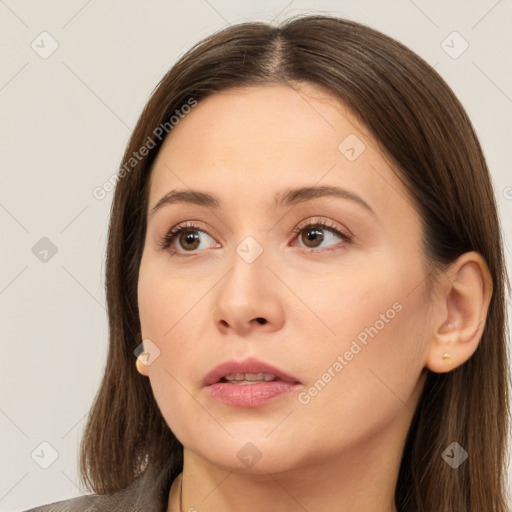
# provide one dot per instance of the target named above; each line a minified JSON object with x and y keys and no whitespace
{"x":250,"y":395}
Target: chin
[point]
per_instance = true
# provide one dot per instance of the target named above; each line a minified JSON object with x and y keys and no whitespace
{"x":250,"y":453}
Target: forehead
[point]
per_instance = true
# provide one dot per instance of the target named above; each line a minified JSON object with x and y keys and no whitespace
{"x":253,"y":142}
{"x":230,"y":123}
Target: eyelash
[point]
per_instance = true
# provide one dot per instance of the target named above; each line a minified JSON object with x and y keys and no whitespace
{"x":172,"y":234}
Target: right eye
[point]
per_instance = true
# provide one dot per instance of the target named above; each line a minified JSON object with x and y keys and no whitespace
{"x":187,"y":235}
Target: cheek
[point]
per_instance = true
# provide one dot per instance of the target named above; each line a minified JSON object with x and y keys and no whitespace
{"x":163,"y":306}
{"x":164,"y":300}
{"x":366,"y":375}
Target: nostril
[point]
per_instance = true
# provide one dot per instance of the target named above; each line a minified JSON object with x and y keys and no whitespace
{"x":261,"y":320}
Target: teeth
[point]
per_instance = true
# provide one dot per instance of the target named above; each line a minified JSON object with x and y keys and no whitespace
{"x":250,"y":377}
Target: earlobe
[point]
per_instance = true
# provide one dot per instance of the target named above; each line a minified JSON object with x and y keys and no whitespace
{"x":142,"y":356}
{"x":465,"y":295}
{"x":141,"y":367}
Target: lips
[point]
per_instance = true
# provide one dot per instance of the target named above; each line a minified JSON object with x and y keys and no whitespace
{"x":247,"y":370}
{"x":248,"y":383}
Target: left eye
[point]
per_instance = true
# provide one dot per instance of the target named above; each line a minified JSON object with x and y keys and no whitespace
{"x":312,"y":234}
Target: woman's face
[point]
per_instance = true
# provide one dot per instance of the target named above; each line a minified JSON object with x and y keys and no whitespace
{"x":341,"y":309}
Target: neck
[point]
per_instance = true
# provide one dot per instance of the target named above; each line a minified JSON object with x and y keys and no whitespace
{"x":360,"y":478}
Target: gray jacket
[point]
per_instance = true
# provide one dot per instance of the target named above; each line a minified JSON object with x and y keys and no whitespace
{"x":149,"y":492}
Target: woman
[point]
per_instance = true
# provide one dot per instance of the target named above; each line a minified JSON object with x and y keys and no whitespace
{"x":305,"y":258}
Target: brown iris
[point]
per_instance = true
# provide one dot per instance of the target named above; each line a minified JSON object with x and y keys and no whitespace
{"x":189,"y":237}
{"x":314,"y":234}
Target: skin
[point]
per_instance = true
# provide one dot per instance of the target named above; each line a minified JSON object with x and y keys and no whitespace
{"x":342,"y":449}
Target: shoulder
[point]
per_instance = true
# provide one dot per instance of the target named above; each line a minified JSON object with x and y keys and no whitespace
{"x":79,"y":504}
{"x":148,"y":492}
{"x":121,"y":501}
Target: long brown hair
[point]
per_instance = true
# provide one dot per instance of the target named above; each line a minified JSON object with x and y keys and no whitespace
{"x":425,"y":132}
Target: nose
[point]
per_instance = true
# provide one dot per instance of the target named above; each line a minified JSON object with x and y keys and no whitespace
{"x":248,"y":298}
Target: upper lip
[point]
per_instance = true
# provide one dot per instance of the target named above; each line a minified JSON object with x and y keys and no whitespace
{"x":249,"y":365}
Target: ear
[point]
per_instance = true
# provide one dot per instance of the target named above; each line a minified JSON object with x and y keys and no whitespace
{"x":139,"y":362}
{"x":462,"y":298}
{"x":141,"y":367}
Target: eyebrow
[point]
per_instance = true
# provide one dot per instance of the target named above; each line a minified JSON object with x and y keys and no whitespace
{"x":288,"y":198}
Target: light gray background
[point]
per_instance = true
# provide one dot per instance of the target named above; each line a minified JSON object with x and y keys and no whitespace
{"x":64,"y":123}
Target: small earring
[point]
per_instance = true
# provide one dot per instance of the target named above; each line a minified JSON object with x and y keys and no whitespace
{"x":446,"y":356}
